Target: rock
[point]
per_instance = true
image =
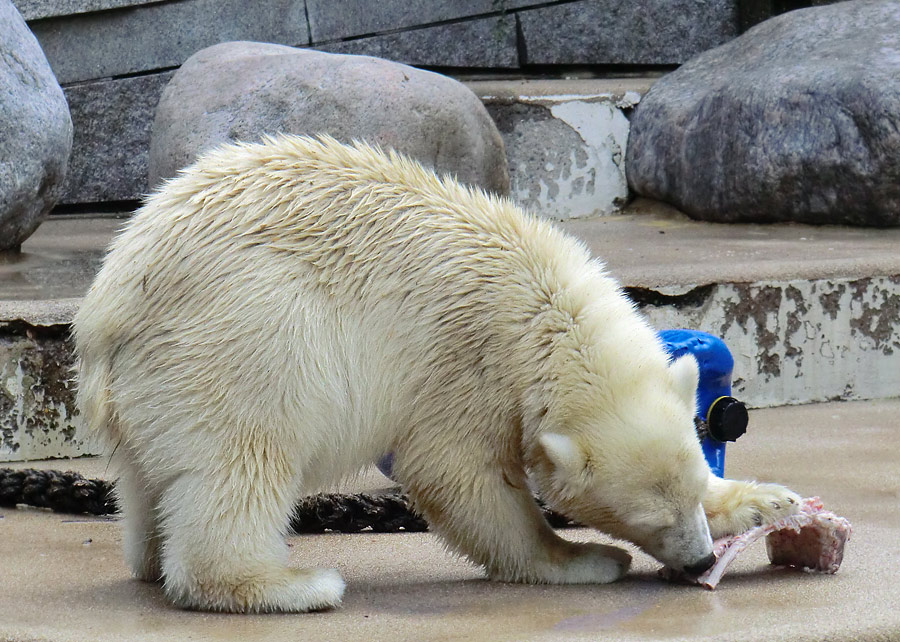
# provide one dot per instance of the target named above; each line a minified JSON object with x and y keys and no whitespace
{"x":796,"y":120}
{"x":242,"y":90}
{"x":565,"y":142}
{"x":35,"y":131}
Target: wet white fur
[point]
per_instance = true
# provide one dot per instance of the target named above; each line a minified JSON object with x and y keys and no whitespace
{"x":281,"y":314}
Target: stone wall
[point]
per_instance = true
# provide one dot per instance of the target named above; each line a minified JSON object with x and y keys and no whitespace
{"x":113,"y":57}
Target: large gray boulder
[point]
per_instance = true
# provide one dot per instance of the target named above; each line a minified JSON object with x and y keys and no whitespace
{"x":35,"y":131}
{"x":242,"y":90}
{"x":796,"y":120}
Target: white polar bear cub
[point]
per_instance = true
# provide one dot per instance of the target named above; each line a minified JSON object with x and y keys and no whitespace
{"x":282,"y":313}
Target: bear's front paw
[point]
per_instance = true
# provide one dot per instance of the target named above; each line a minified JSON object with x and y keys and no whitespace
{"x":746,"y":504}
{"x":591,"y":564}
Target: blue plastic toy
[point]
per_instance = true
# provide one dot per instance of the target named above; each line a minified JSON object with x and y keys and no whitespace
{"x":725,"y":417}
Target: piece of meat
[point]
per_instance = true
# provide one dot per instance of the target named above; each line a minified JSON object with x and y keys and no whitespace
{"x":812,"y":540}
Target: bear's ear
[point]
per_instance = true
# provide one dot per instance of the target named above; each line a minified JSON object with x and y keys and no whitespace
{"x":686,"y":376}
{"x":563,"y":452}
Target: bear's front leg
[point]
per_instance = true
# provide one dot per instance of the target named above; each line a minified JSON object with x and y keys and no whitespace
{"x":733,"y":507}
{"x":494,"y":521}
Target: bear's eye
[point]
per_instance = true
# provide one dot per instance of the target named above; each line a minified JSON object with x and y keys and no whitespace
{"x":652,"y":520}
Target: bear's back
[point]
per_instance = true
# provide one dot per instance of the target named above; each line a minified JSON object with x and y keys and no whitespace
{"x":318,"y":280}
{"x":361,"y":227}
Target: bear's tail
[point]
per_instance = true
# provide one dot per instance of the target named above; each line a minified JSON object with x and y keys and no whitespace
{"x":94,"y":399}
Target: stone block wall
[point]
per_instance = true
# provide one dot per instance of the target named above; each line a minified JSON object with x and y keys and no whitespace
{"x":113,"y":57}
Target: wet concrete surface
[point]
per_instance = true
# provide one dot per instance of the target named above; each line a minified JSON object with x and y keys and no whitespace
{"x":58,"y":261}
{"x":650,"y":245}
{"x":653,"y":245}
{"x":62,"y":576}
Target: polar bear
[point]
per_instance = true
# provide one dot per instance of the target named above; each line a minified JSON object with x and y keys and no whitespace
{"x":282,"y":313}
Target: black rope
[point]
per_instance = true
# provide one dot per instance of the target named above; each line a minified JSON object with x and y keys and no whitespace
{"x":386,"y":513}
{"x":62,"y":492}
{"x":69,"y":492}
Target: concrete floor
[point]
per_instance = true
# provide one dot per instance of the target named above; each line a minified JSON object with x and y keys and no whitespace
{"x":62,"y":576}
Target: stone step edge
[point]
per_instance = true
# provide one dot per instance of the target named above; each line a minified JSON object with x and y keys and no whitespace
{"x":794,"y":342}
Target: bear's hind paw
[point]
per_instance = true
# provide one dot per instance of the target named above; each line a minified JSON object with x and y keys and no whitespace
{"x":287,"y":591}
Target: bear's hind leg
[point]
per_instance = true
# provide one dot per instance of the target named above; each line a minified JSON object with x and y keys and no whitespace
{"x":495,"y":521}
{"x":141,"y":539}
{"x":224,"y":543}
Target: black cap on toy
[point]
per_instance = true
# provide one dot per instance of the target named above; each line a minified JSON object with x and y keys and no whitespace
{"x":727,"y":419}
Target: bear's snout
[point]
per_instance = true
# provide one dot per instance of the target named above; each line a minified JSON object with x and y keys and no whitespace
{"x":702,"y":566}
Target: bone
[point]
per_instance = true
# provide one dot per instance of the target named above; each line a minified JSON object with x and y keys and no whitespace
{"x":812,"y":540}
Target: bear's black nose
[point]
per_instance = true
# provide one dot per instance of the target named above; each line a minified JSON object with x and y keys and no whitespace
{"x":702,"y":566}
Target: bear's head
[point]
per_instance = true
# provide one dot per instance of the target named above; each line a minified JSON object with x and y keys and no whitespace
{"x":633,"y":467}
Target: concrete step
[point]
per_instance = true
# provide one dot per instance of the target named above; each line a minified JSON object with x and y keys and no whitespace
{"x":810,"y":313}
{"x":62,"y":577}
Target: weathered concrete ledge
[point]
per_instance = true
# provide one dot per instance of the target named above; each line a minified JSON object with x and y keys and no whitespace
{"x":41,"y":290}
{"x":796,"y":341}
{"x":38,"y":416}
{"x":810,"y":313}
{"x":565,"y":141}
